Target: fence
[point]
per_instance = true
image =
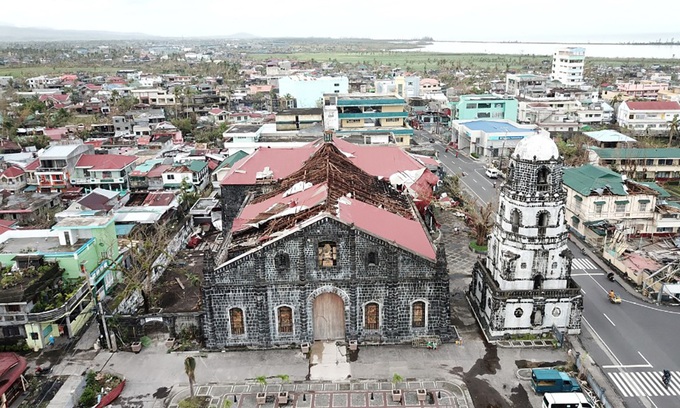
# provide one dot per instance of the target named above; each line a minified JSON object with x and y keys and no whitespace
{"x":598,"y":391}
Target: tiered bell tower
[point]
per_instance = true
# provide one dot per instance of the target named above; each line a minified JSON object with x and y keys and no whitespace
{"x":524,"y":284}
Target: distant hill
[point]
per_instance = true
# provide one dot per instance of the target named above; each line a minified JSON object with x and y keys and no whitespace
{"x":17,"y":34}
{"x":12,"y":34}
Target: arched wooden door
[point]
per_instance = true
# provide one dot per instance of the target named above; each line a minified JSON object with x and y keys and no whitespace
{"x":329,"y":317}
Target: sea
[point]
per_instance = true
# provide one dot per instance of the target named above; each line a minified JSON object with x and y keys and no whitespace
{"x":603,"y":50}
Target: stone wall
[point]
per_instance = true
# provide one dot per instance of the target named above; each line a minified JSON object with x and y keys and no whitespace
{"x":256,"y":284}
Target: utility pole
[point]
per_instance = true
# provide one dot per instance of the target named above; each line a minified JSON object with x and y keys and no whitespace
{"x":106,"y":329}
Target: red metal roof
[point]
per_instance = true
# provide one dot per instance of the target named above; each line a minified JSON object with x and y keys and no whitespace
{"x":406,"y":233}
{"x":105,"y":161}
{"x":158,"y":199}
{"x":653,"y":105}
{"x":12,"y":366}
{"x":157,"y":171}
{"x":13,"y":171}
{"x":33,"y":165}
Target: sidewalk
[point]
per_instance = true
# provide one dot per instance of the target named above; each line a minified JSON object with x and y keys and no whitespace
{"x":327,"y":394}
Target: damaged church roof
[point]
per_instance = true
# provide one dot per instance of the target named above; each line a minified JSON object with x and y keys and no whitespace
{"x":330,"y":184}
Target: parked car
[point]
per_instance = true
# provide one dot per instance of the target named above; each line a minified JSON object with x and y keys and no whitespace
{"x":492,"y":172}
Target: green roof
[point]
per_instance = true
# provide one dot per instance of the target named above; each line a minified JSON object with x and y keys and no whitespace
{"x":587,"y":179}
{"x":638,"y":153}
{"x":148,"y":165}
{"x":662,"y":193}
{"x":197,"y":165}
{"x":231,"y":160}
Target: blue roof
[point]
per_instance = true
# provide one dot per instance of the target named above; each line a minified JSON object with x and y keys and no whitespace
{"x":148,"y":165}
{"x":124,"y":229}
{"x":494,"y":126}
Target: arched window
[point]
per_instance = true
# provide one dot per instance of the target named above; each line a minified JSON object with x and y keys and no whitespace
{"x":372,"y":258}
{"x":236,"y":321}
{"x":285,"y":318}
{"x":372,"y":316}
{"x":542,"y":222}
{"x":516,"y":220}
{"x":418,"y":314}
{"x":542,"y":179}
{"x":328,"y":254}
{"x":281,"y":261}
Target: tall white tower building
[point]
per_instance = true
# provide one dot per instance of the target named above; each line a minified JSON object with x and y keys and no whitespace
{"x":524,"y":284}
{"x":567,"y":66}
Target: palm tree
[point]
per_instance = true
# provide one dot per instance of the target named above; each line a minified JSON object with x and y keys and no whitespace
{"x":189,"y":369}
{"x":673,"y":129}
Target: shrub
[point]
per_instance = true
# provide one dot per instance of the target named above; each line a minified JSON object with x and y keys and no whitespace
{"x":88,"y":398}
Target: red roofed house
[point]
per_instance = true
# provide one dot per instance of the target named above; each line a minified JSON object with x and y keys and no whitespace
{"x":13,"y":179}
{"x":324,"y":250}
{"x":107,"y":171}
{"x":12,"y":367}
{"x":650,"y":117}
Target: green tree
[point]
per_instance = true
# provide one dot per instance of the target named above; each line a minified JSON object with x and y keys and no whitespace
{"x":190,"y":370}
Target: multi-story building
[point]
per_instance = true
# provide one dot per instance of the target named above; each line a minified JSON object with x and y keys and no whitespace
{"x":491,"y":138}
{"x":647,"y":117}
{"x":641,"y":89}
{"x":567,"y":66}
{"x":659,"y":164}
{"x":157,"y":98}
{"x":57,"y":164}
{"x":51,"y":298}
{"x":524,"y":284}
{"x":195,"y":173}
{"x":405,"y":86}
{"x":367,"y":114}
{"x":296,"y":119}
{"x":13,"y":179}
{"x":107,"y":171}
{"x":429,"y":86}
{"x":525,"y":85}
{"x":486,"y":107}
{"x":308,"y":91}
{"x":599,"y":198}
{"x":138,"y":176}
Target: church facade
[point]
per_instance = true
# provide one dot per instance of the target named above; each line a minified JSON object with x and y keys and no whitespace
{"x":328,"y":253}
{"x":524,"y":284}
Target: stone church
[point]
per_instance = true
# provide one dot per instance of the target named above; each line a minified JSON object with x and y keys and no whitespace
{"x":328,"y":252}
{"x":524,"y":284}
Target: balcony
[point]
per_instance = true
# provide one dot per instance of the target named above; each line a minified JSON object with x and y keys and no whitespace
{"x":63,"y":310}
{"x":365,"y":115}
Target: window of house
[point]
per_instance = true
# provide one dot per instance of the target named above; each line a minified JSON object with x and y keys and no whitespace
{"x":471,"y":106}
{"x":620,"y":207}
{"x":171,"y":176}
{"x":483,"y":115}
{"x":598,"y":208}
{"x":106,"y":174}
{"x":643,"y":206}
{"x":281,"y":261}
{"x":372,"y":316}
{"x":484,"y":106}
{"x":285,"y":316}
{"x":372,"y":258}
{"x":13,"y":308}
{"x":236,"y":320}
{"x":418,"y":314}
{"x":327,"y":254}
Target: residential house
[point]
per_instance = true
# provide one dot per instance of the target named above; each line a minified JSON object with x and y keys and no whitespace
{"x":51,"y":297}
{"x":138,"y":177}
{"x":29,"y":209}
{"x":167,"y":129}
{"x":367,"y":114}
{"x":429,"y":86}
{"x":599,"y":200}
{"x":491,"y":138}
{"x":650,"y":117}
{"x":659,"y":164}
{"x":98,"y":201}
{"x":195,"y":173}
{"x":31,"y":178}
{"x":309,"y":91}
{"x":218,"y":174}
{"x":641,"y":89}
{"x":154,"y":177}
{"x":525,"y":85}
{"x":108,"y":171}
{"x":57,"y":164}
{"x":147,"y":207}
{"x":296,"y":119}
{"x":217,"y":116}
{"x":609,"y":139}
{"x":406,"y":87}
{"x":13,"y":178}
{"x":12,"y":368}
{"x":486,"y":107}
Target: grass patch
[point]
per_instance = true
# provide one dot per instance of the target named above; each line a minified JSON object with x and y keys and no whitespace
{"x":478,"y":248}
{"x":27,"y":72}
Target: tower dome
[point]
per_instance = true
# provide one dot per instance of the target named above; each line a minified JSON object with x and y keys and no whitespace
{"x":537,"y":147}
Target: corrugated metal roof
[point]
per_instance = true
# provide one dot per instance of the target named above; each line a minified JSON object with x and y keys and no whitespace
{"x":587,"y":179}
{"x":638,"y":153}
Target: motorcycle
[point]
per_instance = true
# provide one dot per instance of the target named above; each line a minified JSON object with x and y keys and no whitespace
{"x":614,"y":298}
{"x":40,"y":371}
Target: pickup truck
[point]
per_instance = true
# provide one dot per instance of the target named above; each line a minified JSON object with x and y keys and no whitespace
{"x":551,"y":380}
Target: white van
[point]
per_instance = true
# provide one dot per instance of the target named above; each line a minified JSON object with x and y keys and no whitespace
{"x":492,"y":172}
{"x":566,"y":400}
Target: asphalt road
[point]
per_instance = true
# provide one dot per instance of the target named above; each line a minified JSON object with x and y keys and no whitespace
{"x":633,"y":342}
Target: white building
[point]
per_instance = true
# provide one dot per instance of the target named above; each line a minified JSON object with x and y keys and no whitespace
{"x":568,"y":66}
{"x":647,"y":117}
{"x":308,"y":91}
{"x":491,"y":138}
{"x":524,"y":285}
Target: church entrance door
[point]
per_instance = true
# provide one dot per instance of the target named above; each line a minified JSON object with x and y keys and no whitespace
{"x":329,"y":317}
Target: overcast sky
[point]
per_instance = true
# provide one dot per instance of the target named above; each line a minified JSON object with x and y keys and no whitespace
{"x":572,"y":20}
